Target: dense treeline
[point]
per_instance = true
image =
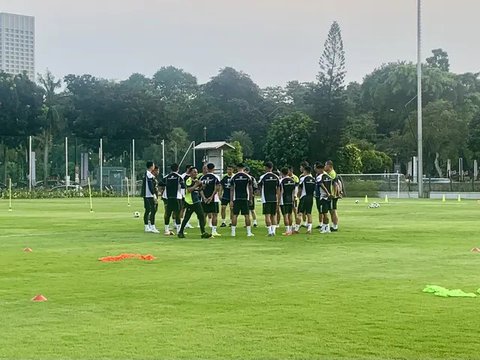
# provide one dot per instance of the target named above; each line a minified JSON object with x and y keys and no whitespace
{"x":365,"y":127}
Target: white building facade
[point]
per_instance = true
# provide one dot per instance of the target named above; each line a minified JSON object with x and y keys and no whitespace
{"x":17,"y":44}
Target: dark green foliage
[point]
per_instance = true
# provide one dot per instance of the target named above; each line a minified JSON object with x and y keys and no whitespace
{"x":350,"y":159}
{"x":288,"y":139}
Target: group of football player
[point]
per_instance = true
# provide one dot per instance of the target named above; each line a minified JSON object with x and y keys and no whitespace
{"x":282,"y":193}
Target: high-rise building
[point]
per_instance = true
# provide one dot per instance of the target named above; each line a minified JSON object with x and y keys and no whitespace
{"x":17,"y":44}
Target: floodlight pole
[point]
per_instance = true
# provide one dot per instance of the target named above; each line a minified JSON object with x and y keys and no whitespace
{"x":419,"y":99}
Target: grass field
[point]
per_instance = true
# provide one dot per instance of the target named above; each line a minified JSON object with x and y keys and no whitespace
{"x":352,"y":294}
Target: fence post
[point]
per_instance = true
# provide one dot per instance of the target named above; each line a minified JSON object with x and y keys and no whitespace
{"x":100,"y":160}
{"x":163,"y":158}
{"x":398,"y":185}
{"x":134,"y":174}
{"x":30,"y":164}
{"x":66,"y":165}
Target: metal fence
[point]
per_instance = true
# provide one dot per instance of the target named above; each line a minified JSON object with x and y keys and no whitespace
{"x":359,"y":185}
{"x":37,"y":163}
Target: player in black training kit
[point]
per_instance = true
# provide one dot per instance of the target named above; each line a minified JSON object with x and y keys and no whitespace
{"x":149,"y":198}
{"x":173,"y":193}
{"x":241,"y":196}
{"x":209,"y":193}
{"x":225,"y":182}
{"x":287,"y":199}
{"x":306,"y":191}
{"x":269,"y":188}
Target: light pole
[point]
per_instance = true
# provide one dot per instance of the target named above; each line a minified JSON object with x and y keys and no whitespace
{"x":419,"y":99}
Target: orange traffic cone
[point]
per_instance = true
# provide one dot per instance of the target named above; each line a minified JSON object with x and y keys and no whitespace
{"x":39,"y":298}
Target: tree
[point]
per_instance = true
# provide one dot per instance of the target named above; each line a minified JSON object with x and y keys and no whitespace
{"x":474,"y":135}
{"x":439,"y":60}
{"x":288,"y":139}
{"x":245,"y":140}
{"x":375,"y":162}
{"x":328,"y":97}
{"x":332,"y":62}
{"x":21,"y":109}
{"x":444,"y":135}
{"x":53,"y":117}
{"x":175,"y":85}
{"x":113,"y":111}
{"x":257,"y":167}
{"x":229,"y":102}
{"x":350,"y":159}
{"x":233,"y":156}
{"x":361,"y":130}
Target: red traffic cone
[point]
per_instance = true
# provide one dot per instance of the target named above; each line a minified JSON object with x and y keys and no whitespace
{"x":27,"y":250}
{"x":39,"y":298}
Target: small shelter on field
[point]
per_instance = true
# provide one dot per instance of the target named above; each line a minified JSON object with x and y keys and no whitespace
{"x":212,"y":152}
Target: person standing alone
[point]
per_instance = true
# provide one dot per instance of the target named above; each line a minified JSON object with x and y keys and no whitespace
{"x":149,"y":199}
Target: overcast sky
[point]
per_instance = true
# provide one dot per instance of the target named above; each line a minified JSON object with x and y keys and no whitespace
{"x":274,"y":41}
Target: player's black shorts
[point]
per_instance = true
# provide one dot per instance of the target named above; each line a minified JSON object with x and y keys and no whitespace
{"x":225,"y":202}
{"x":306,"y":205}
{"x":211,"y":208}
{"x":334,"y":204}
{"x":325,"y":206}
{"x":251,"y":206}
{"x":148,"y":203}
{"x":286,"y":209}
{"x":241,"y":207}
{"x":270,"y":208}
{"x":174,"y":205}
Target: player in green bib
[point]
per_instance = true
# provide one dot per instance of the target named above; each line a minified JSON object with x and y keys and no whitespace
{"x":335,"y":192}
{"x":193,"y":203}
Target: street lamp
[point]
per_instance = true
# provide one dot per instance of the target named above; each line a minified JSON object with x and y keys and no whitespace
{"x":419,"y":99}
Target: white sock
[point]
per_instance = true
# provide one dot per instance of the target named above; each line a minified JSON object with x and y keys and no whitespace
{"x":335,"y":226}
{"x":296,"y":227}
{"x":269,"y":230}
{"x":255,"y":222}
{"x":309,"y":227}
{"x":249,"y":230}
{"x":167,"y":228}
{"x":214,"y":229}
{"x":274,"y":229}
{"x":306,"y":223}
{"x":233,"y":230}
{"x":147,"y":227}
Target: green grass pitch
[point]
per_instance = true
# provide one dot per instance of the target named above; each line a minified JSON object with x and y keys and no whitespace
{"x":352,"y":294}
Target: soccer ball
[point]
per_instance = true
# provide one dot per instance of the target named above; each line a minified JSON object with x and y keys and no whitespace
{"x":374,"y":205}
{"x":136,"y":214}
{"x":356,"y":201}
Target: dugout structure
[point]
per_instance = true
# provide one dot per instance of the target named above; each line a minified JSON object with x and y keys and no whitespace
{"x":212,"y":152}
